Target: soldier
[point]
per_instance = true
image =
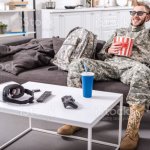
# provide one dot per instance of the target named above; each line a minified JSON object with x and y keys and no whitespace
{"x":133,"y":71}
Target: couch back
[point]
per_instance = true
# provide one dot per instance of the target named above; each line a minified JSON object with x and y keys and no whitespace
{"x":57,"y":43}
{"x":14,"y":40}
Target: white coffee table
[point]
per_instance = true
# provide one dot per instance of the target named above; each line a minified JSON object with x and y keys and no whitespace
{"x":89,"y":113}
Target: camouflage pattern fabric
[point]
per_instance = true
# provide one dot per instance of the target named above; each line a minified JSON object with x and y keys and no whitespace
{"x":136,"y":114}
{"x":79,"y":43}
{"x":141,"y":47}
{"x":132,"y":71}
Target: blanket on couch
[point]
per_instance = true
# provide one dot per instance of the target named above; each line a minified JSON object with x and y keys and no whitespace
{"x":36,"y":53}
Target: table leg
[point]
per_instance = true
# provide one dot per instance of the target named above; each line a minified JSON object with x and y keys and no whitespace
{"x":89,"y":138}
{"x":30,"y":123}
{"x":120,"y":123}
{"x":17,"y":137}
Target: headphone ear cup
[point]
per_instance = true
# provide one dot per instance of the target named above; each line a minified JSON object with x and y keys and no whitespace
{"x":20,"y":91}
{"x":6,"y":91}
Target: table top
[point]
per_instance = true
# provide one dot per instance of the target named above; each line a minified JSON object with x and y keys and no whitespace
{"x":89,"y":112}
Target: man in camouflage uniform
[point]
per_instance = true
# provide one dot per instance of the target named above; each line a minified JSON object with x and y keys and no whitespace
{"x":133,"y":71}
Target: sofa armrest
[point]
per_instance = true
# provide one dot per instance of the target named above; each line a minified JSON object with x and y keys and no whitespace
{"x":99,"y":47}
{"x":13,"y":41}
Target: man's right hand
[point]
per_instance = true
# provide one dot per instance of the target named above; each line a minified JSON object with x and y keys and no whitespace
{"x":115,"y":48}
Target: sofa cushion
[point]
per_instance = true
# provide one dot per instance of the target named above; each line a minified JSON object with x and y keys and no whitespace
{"x":113,"y":86}
{"x":5,"y":77}
{"x":44,"y":75}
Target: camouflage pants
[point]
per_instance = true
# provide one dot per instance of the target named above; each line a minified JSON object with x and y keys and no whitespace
{"x":128,"y":71}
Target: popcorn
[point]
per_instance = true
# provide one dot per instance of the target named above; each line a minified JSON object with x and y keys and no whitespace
{"x":127,"y":44}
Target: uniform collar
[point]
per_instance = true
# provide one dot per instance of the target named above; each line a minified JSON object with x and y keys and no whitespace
{"x":136,"y":29}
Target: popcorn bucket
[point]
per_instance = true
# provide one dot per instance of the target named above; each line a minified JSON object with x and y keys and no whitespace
{"x":127,"y":44}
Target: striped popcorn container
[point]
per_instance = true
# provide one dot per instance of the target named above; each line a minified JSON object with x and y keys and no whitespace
{"x":127,"y":44}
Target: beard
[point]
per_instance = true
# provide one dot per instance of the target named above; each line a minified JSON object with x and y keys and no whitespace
{"x":142,"y":22}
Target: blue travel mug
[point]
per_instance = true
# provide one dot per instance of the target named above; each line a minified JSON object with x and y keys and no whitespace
{"x":87,"y":84}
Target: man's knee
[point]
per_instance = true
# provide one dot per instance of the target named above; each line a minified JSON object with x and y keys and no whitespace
{"x":76,"y":65}
{"x":142,"y":68}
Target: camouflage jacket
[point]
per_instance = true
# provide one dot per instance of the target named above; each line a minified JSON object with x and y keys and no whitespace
{"x":141,"y":47}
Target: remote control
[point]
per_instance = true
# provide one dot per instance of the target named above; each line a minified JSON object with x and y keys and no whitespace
{"x":44,"y":96}
{"x":36,"y":90}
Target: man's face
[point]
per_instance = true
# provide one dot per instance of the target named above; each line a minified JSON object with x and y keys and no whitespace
{"x":138,"y":20}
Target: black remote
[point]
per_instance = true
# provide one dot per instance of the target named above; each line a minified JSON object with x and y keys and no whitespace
{"x":44,"y":96}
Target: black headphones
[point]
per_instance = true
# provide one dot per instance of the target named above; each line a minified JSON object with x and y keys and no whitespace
{"x":12,"y":91}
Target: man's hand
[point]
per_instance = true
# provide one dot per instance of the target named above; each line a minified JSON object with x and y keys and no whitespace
{"x":115,"y":48}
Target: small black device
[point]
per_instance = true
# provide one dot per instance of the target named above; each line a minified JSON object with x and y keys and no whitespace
{"x":44,"y":96}
{"x":73,"y":7}
{"x":36,"y":90}
{"x":70,"y":7}
{"x":13,"y":91}
{"x":69,"y":102}
{"x":53,"y":68}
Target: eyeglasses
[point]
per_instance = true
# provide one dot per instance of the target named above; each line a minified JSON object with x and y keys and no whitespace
{"x":139,"y":13}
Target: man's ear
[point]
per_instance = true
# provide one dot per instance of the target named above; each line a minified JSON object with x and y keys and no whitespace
{"x":147,"y":18}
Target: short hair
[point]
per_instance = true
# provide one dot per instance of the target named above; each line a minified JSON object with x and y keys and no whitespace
{"x":143,"y":4}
